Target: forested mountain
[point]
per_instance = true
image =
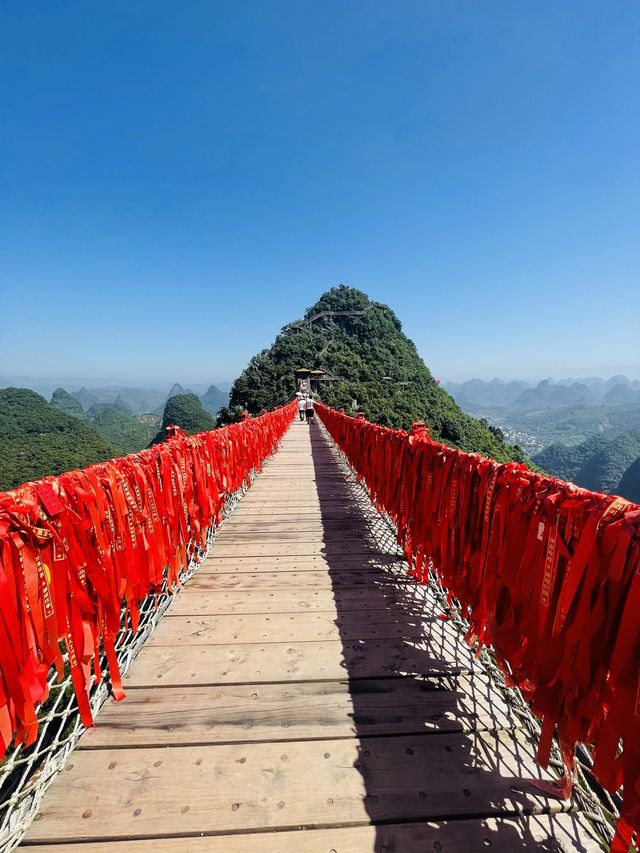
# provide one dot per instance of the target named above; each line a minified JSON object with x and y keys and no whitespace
{"x":477,"y":392}
{"x":547,"y":394}
{"x":604,"y":469}
{"x":621,"y":393}
{"x":123,"y":431}
{"x":214,"y":399}
{"x":85,"y":398}
{"x":176,"y":390}
{"x":361,"y":345}
{"x":114,"y":422}
{"x":629,"y":485}
{"x":187,"y":412}
{"x":62,"y":400}
{"x":37,"y":439}
{"x":604,"y":465}
{"x":565,"y":461}
{"x":121,"y":403}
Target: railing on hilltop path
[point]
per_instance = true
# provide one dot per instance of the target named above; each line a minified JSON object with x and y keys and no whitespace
{"x":546,"y":573}
{"x":88,"y":562}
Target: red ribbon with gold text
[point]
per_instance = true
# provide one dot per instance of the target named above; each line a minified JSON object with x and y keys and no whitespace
{"x":74,"y":548}
{"x":547,"y":573}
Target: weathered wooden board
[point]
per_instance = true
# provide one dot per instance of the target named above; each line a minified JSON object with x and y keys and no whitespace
{"x":306,"y":529}
{"x":568,"y":833}
{"x":292,"y":523}
{"x":304,"y":562}
{"x":213,"y":600}
{"x":230,"y":788}
{"x":254,"y":504}
{"x":276,"y":548}
{"x":269,"y":712}
{"x":300,"y":628}
{"x":253,"y":663}
{"x":313,"y":579}
{"x":293,"y":515}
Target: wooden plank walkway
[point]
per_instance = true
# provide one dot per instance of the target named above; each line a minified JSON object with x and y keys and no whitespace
{"x":302,"y":695}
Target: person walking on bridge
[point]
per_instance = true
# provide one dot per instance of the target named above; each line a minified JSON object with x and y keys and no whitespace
{"x":309,"y":409}
{"x":302,"y":405}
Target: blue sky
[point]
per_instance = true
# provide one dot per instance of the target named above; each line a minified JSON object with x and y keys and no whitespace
{"x":177,"y":181}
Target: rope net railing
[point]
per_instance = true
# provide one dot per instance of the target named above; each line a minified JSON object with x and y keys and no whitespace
{"x":89,"y":561}
{"x":545,"y":576}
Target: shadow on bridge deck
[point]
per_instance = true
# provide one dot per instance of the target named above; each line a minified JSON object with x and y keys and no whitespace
{"x":444,"y":763}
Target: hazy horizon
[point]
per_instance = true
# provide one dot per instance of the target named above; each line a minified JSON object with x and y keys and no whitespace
{"x":74,"y":383}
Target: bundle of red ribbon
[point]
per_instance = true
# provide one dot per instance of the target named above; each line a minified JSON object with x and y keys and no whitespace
{"x":74,"y":547}
{"x":548,"y":574}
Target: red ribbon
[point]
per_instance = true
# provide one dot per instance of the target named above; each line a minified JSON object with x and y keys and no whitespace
{"x":547,"y":573}
{"x":73,"y":548}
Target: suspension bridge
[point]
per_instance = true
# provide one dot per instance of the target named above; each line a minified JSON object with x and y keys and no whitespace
{"x":302,"y":692}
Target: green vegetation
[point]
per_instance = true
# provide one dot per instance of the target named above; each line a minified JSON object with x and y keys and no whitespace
{"x":372,"y":362}
{"x":121,"y":403}
{"x":37,"y":439}
{"x":186,"y":411}
{"x":85,"y":398}
{"x":564,"y":425}
{"x":114,"y":422}
{"x":121,"y":430}
{"x":629,"y":485}
{"x":604,"y":465}
{"x":565,"y":461}
{"x":62,"y":400}
{"x":604,"y":469}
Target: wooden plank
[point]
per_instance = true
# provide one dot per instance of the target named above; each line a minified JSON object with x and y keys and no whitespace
{"x":271,"y":712}
{"x":279,"y":548}
{"x":305,"y":562}
{"x":292,"y":521}
{"x":300,"y":628}
{"x":253,"y":663}
{"x":295,"y":542}
{"x":263,"y":513}
{"x":136,"y":793}
{"x":275,"y":505}
{"x":318,"y":529}
{"x":315,"y":579}
{"x":291,"y":599}
{"x":568,"y":833}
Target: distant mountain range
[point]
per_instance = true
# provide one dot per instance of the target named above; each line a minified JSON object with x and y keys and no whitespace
{"x":140,"y":396}
{"x":38,"y":438}
{"x":139,"y":401}
{"x":519,"y":394}
{"x":583,"y":430}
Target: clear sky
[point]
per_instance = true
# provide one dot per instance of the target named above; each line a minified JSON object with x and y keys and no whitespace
{"x":179,"y":180}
